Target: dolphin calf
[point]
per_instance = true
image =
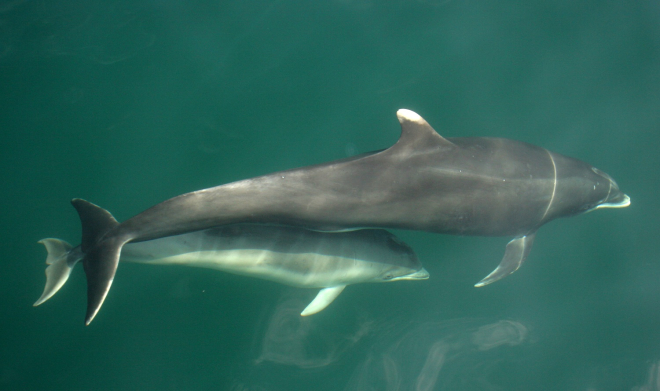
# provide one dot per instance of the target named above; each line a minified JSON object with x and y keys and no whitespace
{"x":288,"y":255}
{"x":460,"y":186}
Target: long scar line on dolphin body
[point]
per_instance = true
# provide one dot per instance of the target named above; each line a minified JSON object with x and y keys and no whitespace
{"x":554,"y":185}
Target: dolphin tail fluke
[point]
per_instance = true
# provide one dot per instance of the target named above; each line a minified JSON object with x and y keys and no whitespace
{"x":516,"y":252}
{"x":322,"y":300}
{"x":101,"y":254}
{"x":58,"y":269}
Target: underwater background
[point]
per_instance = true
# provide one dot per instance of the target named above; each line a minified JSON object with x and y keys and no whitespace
{"x":128,"y":103}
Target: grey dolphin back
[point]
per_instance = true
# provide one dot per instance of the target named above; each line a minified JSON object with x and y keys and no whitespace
{"x":459,"y":186}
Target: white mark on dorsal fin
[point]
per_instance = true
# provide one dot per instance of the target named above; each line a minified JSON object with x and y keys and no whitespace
{"x":416,"y":133}
{"x":408,"y":115}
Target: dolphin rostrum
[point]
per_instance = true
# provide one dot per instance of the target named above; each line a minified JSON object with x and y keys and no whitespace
{"x":460,"y":186}
{"x":288,"y":255}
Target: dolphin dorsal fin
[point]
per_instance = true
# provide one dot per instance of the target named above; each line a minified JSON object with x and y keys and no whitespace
{"x":417,"y":134}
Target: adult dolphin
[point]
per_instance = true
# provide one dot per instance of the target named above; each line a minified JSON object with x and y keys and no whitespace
{"x":460,"y":186}
{"x":289,"y":255}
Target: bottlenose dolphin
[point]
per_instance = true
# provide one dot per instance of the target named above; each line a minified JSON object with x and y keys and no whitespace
{"x":288,"y":255}
{"x":460,"y":186}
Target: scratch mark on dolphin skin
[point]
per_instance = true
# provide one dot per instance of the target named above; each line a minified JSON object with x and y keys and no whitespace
{"x":554,"y":185}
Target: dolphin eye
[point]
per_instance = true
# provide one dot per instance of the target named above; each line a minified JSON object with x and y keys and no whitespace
{"x":387,"y":277}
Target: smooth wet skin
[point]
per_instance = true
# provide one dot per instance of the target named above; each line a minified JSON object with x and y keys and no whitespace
{"x":464,"y":186}
{"x":287,"y":255}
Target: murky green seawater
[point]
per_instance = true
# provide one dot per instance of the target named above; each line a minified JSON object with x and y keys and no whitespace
{"x":129,"y":103}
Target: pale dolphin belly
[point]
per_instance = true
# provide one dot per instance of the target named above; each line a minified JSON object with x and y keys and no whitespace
{"x":305,"y":270}
{"x":288,"y":255}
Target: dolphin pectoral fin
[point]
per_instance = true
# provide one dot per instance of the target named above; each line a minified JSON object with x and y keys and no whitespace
{"x":58,"y":269}
{"x":322,"y":300}
{"x":514,"y":256}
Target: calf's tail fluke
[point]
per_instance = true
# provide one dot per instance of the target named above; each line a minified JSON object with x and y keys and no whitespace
{"x":59,"y":267}
{"x":101,"y":253}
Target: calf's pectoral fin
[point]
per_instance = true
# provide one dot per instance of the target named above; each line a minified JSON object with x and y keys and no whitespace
{"x":514,"y":256}
{"x":322,"y":300}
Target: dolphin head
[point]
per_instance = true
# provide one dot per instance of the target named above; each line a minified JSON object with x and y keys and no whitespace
{"x":581,"y":188}
{"x":614,"y":198}
{"x":406,"y":265}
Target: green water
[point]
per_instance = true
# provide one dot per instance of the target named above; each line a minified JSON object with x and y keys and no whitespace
{"x":129,"y":103}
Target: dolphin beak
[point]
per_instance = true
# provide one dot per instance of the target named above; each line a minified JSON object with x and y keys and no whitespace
{"x":420,"y":274}
{"x":615,"y":197}
{"x":619,"y":201}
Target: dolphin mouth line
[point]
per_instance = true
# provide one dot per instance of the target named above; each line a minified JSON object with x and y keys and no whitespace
{"x":621,"y":204}
{"x":421,"y":274}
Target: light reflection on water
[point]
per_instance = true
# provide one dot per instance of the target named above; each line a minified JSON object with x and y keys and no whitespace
{"x":378,"y":353}
{"x":434,"y":355}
